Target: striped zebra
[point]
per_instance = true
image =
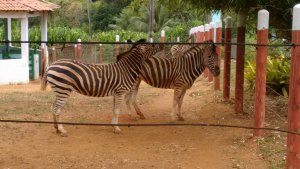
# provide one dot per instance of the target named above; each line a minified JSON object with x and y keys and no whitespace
{"x":177,"y":73}
{"x":65,"y":76}
{"x":178,"y":50}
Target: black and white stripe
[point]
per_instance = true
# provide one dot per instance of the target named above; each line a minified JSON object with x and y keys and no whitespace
{"x":179,"y":50}
{"x":178,"y":73}
{"x":65,"y":76}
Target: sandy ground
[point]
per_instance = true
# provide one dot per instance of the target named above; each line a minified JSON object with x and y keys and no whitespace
{"x":34,"y":146}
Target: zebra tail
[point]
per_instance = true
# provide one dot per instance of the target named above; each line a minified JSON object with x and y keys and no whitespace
{"x":44,"y":82}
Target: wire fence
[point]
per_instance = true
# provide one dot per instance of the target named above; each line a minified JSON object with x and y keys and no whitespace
{"x":166,"y":43}
{"x":153,"y":125}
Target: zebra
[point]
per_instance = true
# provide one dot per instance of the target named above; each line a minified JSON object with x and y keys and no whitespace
{"x":178,"y":50}
{"x":65,"y":76}
{"x":178,"y":73}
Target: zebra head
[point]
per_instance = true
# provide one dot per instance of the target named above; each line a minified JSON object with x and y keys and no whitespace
{"x":211,"y":57}
{"x":149,"y":50}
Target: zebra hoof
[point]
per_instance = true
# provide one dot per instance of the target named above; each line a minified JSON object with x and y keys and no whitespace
{"x":63,"y":134}
{"x":180,"y":118}
{"x":117,"y":130}
{"x":133,"y":118}
{"x":142,"y":116}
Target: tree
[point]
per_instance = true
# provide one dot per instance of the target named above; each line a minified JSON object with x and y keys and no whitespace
{"x":136,"y":15}
{"x":280,"y":11}
{"x":72,"y":13}
{"x":104,"y":14}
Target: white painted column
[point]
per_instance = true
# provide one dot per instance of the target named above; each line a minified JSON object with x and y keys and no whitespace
{"x":25,"y":49}
{"x":44,"y":28}
{"x":163,"y":40}
{"x":9,"y":30}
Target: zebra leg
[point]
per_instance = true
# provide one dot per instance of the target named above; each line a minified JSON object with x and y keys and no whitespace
{"x":134,"y":100}
{"x":177,"y":102}
{"x":128,"y":102}
{"x":57,"y":105}
{"x":179,"y":115}
{"x":116,"y":111}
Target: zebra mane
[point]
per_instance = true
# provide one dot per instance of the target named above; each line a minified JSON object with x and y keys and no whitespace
{"x":121,"y":55}
{"x":208,"y":42}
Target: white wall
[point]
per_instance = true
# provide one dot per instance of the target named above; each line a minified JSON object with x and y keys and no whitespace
{"x":14,"y":71}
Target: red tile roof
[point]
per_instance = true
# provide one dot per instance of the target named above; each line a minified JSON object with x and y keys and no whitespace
{"x":27,"y":5}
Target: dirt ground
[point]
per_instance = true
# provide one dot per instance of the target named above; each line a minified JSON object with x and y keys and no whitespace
{"x":34,"y":146}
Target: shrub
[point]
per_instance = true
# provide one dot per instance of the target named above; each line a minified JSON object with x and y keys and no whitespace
{"x":278,"y":72}
{"x":110,"y":36}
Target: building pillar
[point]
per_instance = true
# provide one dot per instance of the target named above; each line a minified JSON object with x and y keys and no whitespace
{"x":25,"y":47}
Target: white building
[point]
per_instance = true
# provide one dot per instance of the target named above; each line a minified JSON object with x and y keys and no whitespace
{"x":16,"y":71}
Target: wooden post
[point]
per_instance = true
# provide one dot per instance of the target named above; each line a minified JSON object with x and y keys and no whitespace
{"x":240,"y":53}
{"x":211,"y":36}
{"x":218,"y":50}
{"x":261,"y":71}
{"x":78,"y":50}
{"x":100,"y":54}
{"x":53,"y":54}
{"x":293,"y":142}
{"x":196,"y":34}
{"x":206,"y":37}
{"x":44,"y":37}
{"x":192,"y":33}
{"x":162,"y":40}
{"x":227,"y":58}
{"x":151,"y":40}
{"x":126,"y":45}
{"x":201,"y":34}
{"x":117,"y":47}
{"x":178,"y":39}
{"x":43,"y":60}
{"x":75,"y":51}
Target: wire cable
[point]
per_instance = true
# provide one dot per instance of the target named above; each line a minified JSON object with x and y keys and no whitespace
{"x":153,"y":125}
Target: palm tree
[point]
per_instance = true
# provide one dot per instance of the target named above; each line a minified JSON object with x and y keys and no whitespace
{"x":136,"y":19}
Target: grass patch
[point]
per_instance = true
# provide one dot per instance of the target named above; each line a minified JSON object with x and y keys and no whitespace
{"x":273,"y":149}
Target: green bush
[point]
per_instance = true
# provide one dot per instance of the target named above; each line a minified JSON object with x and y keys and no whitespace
{"x":278,"y":72}
{"x":110,"y":36}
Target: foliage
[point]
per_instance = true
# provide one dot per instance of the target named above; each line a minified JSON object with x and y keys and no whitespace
{"x":55,"y":34}
{"x":280,"y":11}
{"x":135,"y":17}
{"x":72,"y":13}
{"x":278,"y":71}
{"x":110,"y":36}
{"x":104,"y":14}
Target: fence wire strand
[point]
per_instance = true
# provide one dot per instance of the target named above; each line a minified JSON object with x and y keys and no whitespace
{"x":166,"y":43}
{"x":153,"y":125}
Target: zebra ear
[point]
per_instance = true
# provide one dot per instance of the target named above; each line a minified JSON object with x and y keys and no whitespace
{"x":141,"y":48}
